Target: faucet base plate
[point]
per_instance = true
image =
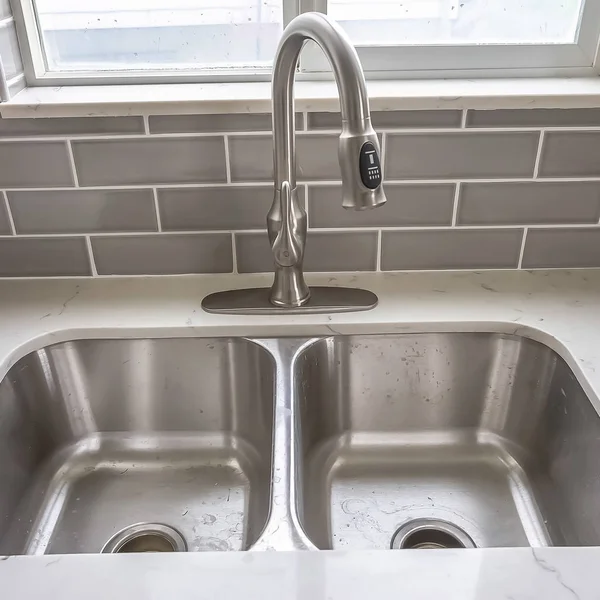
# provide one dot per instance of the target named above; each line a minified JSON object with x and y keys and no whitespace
{"x":255,"y":301}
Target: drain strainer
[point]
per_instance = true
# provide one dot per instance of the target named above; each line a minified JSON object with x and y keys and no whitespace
{"x":146,"y":537}
{"x":430,"y":534}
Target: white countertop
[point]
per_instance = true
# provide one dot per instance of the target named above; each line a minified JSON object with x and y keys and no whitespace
{"x":558,"y":308}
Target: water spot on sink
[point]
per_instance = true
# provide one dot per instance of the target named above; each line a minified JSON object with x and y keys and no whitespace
{"x":211,"y":544}
{"x":352,"y":506}
{"x":208,"y":519}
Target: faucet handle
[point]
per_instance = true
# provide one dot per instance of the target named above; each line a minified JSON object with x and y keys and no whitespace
{"x":288,"y":246}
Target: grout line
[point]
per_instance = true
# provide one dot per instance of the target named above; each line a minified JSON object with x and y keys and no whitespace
{"x":227,"y":159}
{"x":378,"y":264}
{"x":463,"y":119}
{"x":146,"y":124}
{"x":72,"y":162}
{"x":88,"y":243}
{"x":522,"y":251}
{"x":234,"y":253}
{"x":304,"y":132}
{"x":344,"y":273}
{"x":9,"y":214}
{"x":156,"y":209}
{"x":538,"y":156}
{"x":320,"y":230}
{"x":310,"y":182}
{"x":455,"y":204}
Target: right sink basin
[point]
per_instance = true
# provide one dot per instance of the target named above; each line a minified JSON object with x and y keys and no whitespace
{"x":445,"y":440}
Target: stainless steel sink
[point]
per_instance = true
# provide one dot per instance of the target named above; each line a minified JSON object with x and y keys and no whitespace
{"x":97,"y":436}
{"x":489,"y":433}
{"x":384,"y":441}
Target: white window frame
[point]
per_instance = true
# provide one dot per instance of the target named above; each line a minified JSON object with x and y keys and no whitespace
{"x":379,"y":62}
{"x":460,"y":61}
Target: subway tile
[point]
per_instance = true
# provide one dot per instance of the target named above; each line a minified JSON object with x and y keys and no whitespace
{"x":71,"y":126}
{"x":5,"y":9}
{"x":163,"y":254}
{"x":34,"y":164}
{"x":451,"y":249}
{"x":83,"y":211}
{"x":570,"y":154}
{"x":43,"y":257}
{"x":534,"y":117}
{"x":214,"y":208}
{"x":461,"y":155}
{"x":5,"y":228}
{"x":391,"y":119}
{"x":9,"y":51}
{"x":214,"y":123}
{"x":338,"y":251}
{"x":529,"y":203}
{"x":251,"y":157}
{"x":150,"y":161}
{"x":407,"y":204}
{"x":562,"y":248}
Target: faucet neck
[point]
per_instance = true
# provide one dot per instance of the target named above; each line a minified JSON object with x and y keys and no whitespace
{"x":346,"y":67}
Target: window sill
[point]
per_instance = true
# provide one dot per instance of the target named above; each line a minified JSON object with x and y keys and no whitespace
{"x":122,"y":100}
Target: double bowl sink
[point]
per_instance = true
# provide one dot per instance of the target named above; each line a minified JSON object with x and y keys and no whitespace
{"x":341,"y":442}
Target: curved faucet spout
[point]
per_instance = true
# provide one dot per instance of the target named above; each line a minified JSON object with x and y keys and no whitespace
{"x":358,"y":152}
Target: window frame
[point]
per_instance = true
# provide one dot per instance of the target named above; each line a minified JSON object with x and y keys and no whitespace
{"x":460,"y":61}
{"x":379,"y":62}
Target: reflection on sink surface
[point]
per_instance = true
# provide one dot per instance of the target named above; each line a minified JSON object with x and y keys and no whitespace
{"x":354,"y":442}
{"x":100,"y":435}
{"x":487,"y":432}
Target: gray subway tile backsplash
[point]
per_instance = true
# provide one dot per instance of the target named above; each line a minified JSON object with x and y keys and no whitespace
{"x":214,"y":208}
{"x":70,"y":126}
{"x":34,"y":163}
{"x":43,"y":257}
{"x":150,"y":161}
{"x":252,"y":157}
{"x":392,"y":119}
{"x":451,"y":249}
{"x":82,"y":211}
{"x":407,"y":205}
{"x":5,"y":228}
{"x":163,"y":254}
{"x":461,"y":155}
{"x":562,"y":248}
{"x":534,"y":117}
{"x":331,"y":251}
{"x":529,"y":203}
{"x":570,"y":154}
{"x":123,"y":175}
{"x":214,"y":123}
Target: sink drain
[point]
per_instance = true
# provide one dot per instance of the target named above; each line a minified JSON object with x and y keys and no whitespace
{"x":430,"y":534}
{"x":146,"y":537}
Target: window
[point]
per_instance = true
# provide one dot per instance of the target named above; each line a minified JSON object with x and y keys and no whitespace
{"x":464,"y":37}
{"x":105,"y":41}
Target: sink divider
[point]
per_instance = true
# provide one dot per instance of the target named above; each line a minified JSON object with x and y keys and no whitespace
{"x":283,"y":530}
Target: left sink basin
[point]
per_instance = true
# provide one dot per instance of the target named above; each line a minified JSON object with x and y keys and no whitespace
{"x":100,"y":436}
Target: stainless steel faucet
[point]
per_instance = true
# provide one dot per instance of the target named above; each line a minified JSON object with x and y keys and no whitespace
{"x":360,"y":165}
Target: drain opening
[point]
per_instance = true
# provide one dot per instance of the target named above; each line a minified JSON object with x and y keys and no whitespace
{"x":146,"y":537}
{"x":430,"y":534}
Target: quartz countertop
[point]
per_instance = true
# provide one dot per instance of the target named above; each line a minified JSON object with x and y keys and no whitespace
{"x":558,"y":308}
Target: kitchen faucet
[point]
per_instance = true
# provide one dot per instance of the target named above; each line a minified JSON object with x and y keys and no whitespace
{"x":361,"y":170}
